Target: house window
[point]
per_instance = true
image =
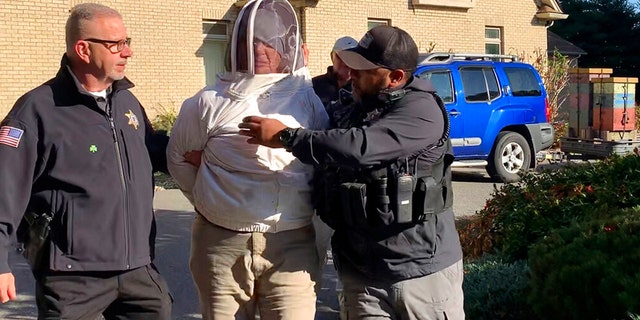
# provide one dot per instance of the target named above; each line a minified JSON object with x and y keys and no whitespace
{"x":372,"y":23}
{"x":214,"y":47}
{"x":492,"y":40}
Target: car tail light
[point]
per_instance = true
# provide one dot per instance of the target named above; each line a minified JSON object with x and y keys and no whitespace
{"x":547,"y":109}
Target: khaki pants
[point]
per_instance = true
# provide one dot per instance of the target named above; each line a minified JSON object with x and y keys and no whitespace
{"x":437,"y":296}
{"x":238,"y":274}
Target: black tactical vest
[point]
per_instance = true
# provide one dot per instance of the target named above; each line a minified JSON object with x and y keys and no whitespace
{"x":399,"y":194}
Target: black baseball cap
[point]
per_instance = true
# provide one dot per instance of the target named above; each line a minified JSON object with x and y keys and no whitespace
{"x":382,"y":47}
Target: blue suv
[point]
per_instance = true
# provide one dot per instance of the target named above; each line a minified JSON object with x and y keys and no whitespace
{"x":498,"y":110}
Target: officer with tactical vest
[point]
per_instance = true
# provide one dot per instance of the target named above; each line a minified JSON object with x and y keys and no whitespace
{"x":385,"y":185}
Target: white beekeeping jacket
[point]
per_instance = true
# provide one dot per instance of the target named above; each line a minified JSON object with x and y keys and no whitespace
{"x":241,"y":186}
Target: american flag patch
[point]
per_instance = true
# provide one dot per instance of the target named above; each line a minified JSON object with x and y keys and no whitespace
{"x":10,"y":136}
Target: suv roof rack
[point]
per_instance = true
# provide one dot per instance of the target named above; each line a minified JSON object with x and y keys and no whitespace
{"x":440,"y":57}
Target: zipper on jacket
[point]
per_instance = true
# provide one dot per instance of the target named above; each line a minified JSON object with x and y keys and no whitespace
{"x":123,"y":183}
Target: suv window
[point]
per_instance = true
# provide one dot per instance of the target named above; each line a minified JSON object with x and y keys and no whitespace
{"x":441,"y":80}
{"x":479,"y":83}
{"x":523,"y":82}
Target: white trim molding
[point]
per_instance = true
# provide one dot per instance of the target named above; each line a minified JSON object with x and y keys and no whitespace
{"x":466,"y":4}
{"x":550,"y":10}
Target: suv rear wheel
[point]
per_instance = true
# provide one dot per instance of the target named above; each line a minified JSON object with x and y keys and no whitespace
{"x":510,"y":155}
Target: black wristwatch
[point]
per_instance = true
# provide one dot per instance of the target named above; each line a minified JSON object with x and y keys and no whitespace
{"x":286,"y":136}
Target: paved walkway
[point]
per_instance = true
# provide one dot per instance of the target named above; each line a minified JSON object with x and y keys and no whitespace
{"x":174,"y":216}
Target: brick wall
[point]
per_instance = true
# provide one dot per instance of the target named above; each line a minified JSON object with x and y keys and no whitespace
{"x":166,"y":37}
{"x":455,"y":29}
{"x":32,"y":38}
{"x":167,"y":65}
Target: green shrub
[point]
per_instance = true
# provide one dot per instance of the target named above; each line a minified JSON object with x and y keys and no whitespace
{"x":165,"y":118}
{"x":162,"y":123}
{"x":519,"y":214}
{"x":588,"y":270}
{"x":494,"y":289}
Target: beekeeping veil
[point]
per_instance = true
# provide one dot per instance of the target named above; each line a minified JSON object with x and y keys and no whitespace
{"x":272,"y":22}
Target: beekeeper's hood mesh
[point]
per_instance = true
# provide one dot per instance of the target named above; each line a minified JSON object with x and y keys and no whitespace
{"x":272,"y":22}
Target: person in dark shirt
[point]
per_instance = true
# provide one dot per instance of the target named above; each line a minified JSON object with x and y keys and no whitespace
{"x":334,"y":90}
{"x":77,"y":155}
{"x":336,"y":83}
{"x":386,"y":186}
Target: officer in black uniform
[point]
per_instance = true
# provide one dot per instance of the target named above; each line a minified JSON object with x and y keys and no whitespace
{"x":386,"y":187}
{"x":77,"y":155}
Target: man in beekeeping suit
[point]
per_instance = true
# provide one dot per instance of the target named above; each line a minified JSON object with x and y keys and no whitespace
{"x":253,"y":243}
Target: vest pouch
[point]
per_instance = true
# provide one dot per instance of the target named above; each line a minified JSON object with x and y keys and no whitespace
{"x":326,"y":199}
{"x":428,"y":199}
{"x":353,"y":201}
{"x":404,"y":196}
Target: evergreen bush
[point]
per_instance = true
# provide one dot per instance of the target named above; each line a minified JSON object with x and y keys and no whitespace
{"x":519,"y":214}
{"x":494,"y":290}
{"x":588,"y":270}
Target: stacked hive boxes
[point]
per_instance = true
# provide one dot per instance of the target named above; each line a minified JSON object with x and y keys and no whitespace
{"x":580,"y":99}
{"x":614,"y":108}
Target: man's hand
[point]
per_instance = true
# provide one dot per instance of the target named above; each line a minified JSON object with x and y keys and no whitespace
{"x":262,"y":131}
{"x":194,"y":157}
{"x":7,"y":287}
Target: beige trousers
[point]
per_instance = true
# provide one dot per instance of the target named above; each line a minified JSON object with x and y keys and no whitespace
{"x":241,"y":274}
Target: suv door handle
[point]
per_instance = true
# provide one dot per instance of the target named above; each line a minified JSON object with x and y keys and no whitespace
{"x":454,"y":113}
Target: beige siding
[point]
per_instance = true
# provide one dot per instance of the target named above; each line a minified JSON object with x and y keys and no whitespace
{"x":167,"y":66}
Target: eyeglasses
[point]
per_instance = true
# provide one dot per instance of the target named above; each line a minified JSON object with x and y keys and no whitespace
{"x":112,"y":46}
